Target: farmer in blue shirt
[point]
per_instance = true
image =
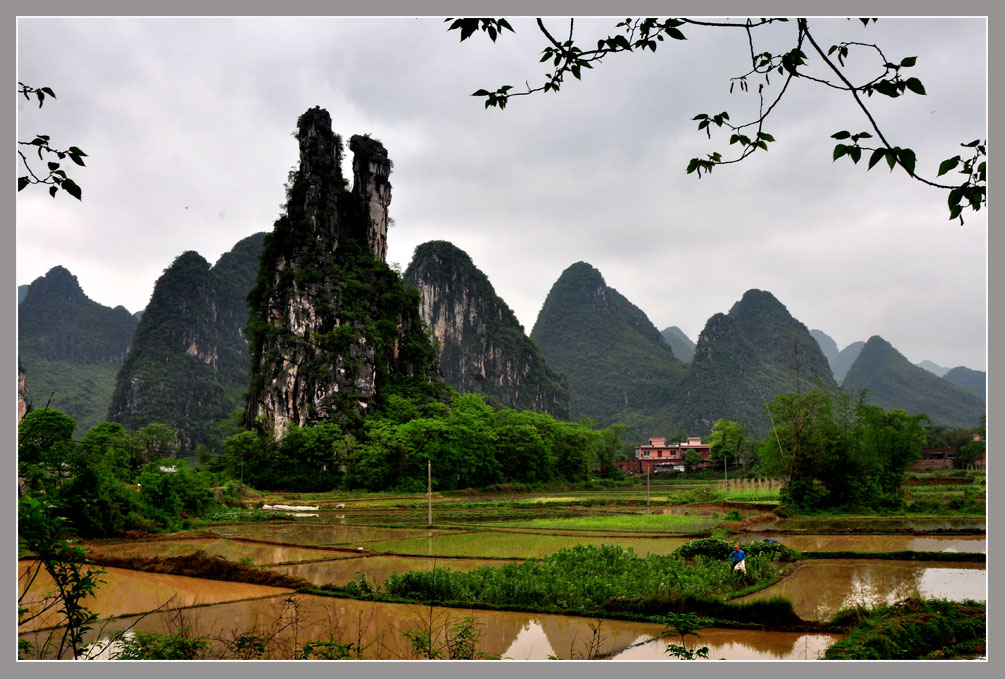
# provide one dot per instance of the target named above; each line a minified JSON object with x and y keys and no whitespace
{"x":736,"y":558}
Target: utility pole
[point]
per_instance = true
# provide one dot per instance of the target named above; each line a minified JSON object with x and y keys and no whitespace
{"x":429,"y":489}
{"x":647,"y":491}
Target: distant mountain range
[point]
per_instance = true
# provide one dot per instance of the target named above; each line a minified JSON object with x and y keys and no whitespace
{"x":591,"y":353}
{"x":894,"y":382}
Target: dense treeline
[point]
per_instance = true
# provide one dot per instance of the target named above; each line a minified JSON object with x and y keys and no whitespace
{"x":469,"y":443}
{"x":111,"y":480}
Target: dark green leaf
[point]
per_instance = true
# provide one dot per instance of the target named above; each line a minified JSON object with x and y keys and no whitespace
{"x":843,"y":134}
{"x":48,"y":91}
{"x":839,"y":151}
{"x":876,"y":156}
{"x":22,"y":182}
{"x":954,"y":197}
{"x":909,"y":61}
{"x":675,"y":34}
{"x":71,"y":187}
{"x":907,"y":159}
{"x":915,"y":86}
{"x":855,"y":153}
{"x":948,"y":165}
{"x":52,"y":191}
{"x":891,"y":158}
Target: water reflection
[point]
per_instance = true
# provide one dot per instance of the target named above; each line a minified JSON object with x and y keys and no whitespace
{"x":819,"y":589}
{"x":740,"y":645}
{"x":291,"y":621}
{"x":874,"y":543}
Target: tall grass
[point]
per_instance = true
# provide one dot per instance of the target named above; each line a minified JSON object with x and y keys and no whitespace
{"x":583,"y":578}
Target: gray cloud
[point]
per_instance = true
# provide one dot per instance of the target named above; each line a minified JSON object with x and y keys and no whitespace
{"x":188,"y":122}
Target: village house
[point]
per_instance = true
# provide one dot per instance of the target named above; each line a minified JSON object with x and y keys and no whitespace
{"x":659,"y":456}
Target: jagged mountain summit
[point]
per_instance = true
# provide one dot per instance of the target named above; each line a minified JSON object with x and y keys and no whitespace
{"x":71,"y":347}
{"x":619,"y":367}
{"x":893,"y":381}
{"x":745,"y":358}
{"x":681,"y":344}
{"x":483,"y":348}
{"x":188,"y":365}
{"x":332,"y":330}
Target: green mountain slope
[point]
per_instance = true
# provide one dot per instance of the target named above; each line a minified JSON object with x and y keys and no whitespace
{"x":188,"y":366}
{"x":894,"y":382}
{"x":974,"y":381}
{"x":71,"y":347}
{"x":683,"y":347}
{"x":619,"y":367}
{"x":744,"y":359}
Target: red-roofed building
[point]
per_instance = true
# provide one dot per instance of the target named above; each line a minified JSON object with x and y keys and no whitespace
{"x":660,"y":456}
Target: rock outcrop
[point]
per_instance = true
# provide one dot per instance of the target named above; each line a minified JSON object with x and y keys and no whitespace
{"x":332,"y":329}
{"x":483,"y":348}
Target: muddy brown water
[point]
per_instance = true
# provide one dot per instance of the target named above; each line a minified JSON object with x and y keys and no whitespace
{"x":124,"y":592}
{"x":317,"y":534}
{"x":819,"y":589}
{"x":291,"y":621}
{"x":233,"y":550}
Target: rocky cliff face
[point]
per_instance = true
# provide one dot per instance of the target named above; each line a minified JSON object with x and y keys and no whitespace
{"x":332,"y":329}
{"x":188,"y":366}
{"x":22,"y":393}
{"x":483,"y":348}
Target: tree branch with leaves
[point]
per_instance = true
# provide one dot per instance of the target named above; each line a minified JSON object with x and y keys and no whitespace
{"x":567,"y":57}
{"x":54,"y":176}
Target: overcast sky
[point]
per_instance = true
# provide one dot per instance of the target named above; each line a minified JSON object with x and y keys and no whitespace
{"x":187,"y":125}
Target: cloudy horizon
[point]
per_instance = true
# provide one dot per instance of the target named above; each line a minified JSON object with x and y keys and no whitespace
{"x":188,"y":122}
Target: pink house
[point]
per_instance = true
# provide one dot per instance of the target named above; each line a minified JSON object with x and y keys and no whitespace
{"x":658,"y":455}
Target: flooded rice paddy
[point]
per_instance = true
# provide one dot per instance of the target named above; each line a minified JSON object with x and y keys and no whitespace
{"x":380,"y":540}
{"x":378,"y":628}
{"x":874,"y":543}
{"x":819,"y":589}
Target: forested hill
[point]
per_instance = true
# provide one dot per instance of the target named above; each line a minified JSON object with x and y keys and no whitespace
{"x":681,"y":344}
{"x":974,"y":381}
{"x":619,"y":367}
{"x":70,"y":347}
{"x":483,"y":348}
{"x":188,"y":366}
{"x":745,"y":358}
{"x":894,"y":382}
